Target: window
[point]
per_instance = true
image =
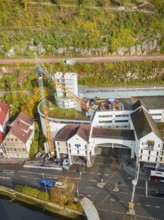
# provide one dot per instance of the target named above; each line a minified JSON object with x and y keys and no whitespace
{"x":122,"y":116}
{"x":148,"y":158}
{"x":105,"y":122}
{"x":141,"y":157}
{"x":118,"y":121}
{"x":85,"y":146}
{"x":78,"y":145}
{"x":105,"y":116}
{"x":77,"y":151}
{"x":157,"y":153}
{"x":141,"y":151}
{"x":149,"y":152}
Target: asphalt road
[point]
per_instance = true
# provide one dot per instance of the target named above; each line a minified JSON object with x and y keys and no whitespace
{"x":110,"y":205}
{"x":85,"y":59}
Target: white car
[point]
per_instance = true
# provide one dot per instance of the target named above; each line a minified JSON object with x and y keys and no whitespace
{"x":69,"y":62}
{"x":60,"y":184}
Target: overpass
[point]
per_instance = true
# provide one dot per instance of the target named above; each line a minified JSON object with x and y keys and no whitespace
{"x":114,"y":138}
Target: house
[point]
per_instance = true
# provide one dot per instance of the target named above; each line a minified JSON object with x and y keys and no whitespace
{"x":18,"y":140}
{"x":72,"y":141}
{"x":4,"y":117}
{"x":149,"y":143}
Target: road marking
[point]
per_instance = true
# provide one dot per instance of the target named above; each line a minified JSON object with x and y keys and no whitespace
{"x":8,"y":171}
{"x":140,"y":195}
{"x":146,"y":188}
{"x":48,"y":177}
{"x":84,"y":172}
{"x":5,"y":177}
{"x":37,"y":178}
{"x":24,"y":176}
{"x":148,"y":205}
{"x":129,"y":178}
{"x":91,"y":187}
{"x":113,"y":200}
{"x":123,"y":185}
{"x":93,"y":180}
{"x":123,"y":213}
{"x":121,"y":201}
{"x":11,"y":174}
{"x":89,"y":195}
{"x":106,"y":174}
{"x":158,"y":207}
{"x":124,"y":193}
{"x":99,"y":174}
{"x":91,"y":172}
{"x":138,"y":203}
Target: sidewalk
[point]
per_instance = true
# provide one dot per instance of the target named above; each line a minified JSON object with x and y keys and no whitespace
{"x":128,"y":165}
{"x":11,"y":161}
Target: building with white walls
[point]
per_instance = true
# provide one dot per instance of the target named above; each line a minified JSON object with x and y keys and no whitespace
{"x":109,"y":127}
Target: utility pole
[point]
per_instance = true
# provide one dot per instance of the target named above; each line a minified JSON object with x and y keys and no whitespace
{"x":131,"y":210}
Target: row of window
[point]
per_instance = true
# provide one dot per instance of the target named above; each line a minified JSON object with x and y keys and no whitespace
{"x":15,"y":149}
{"x":78,"y":151}
{"x":149,"y":153}
{"x":11,"y":139}
{"x":156,"y":159}
{"x":116,"y":121}
{"x":110,"y":116}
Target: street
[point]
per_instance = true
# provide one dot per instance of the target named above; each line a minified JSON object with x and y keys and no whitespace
{"x":110,"y":204}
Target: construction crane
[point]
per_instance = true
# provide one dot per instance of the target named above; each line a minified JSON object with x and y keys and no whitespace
{"x":45,"y":112}
{"x":69,"y":93}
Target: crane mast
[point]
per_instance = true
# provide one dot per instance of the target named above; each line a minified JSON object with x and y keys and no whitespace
{"x":45,"y":112}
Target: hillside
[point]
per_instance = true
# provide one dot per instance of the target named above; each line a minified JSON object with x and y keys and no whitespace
{"x":80,"y":27}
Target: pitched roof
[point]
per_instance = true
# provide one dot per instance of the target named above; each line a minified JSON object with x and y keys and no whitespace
{"x":143,"y":123}
{"x":123,"y":134}
{"x":21,"y":127}
{"x":3,"y":112}
{"x":71,"y":129}
{"x":1,"y":136}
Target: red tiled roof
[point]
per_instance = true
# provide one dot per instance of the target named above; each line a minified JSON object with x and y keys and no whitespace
{"x":3,"y":112}
{"x":71,"y":129}
{"x":1,"y":136}
{"x":21,"y":127}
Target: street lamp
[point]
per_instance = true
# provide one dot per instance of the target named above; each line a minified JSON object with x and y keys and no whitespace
{"x":80,"y":174}
{"x":131,"y":210}
{"x":44,"y":184}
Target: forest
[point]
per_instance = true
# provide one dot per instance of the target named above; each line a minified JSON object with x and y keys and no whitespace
{"x":72,"y":27}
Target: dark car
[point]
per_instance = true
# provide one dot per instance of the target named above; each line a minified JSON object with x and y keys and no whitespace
{"x":48,"y":183}
{"x":158,"y":193}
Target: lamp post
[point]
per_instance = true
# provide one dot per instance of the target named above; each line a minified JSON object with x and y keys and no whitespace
{"x":44,"y":184}
{"x":131,"y":210}
{"x":80,"y":174}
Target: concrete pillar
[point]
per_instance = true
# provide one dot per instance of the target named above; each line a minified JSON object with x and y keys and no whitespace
{"x":132,"y":153}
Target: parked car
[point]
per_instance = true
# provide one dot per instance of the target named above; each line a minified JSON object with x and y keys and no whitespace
{"x":158,"y":193}
{"x":47,"y":183}
{"x":60,"y":184}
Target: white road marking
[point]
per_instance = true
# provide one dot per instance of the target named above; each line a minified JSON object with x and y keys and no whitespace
{"x":146,"y":188}
{"x":93,"y":180}
{"x":5,"y":177}
{"x":123,"y":213}
{"x":158,"y":207}
{"x":89,"y":195}
{"x":11,"y":174}
{"x":91,"y":187}
{"x":99,"y":173}
{"x":124,"y":193}
{"x":148,"y":205}
{"x":37,"y":178}
{"x":138,"y":203}
{"x":129,"y":178}
{"x":24,"y":176}
{"x":8,"y":171}
{"x":121,"y":201}
{"x":106,"y":174}
{"x":91,"y":172}
{"x":112,"y":199}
